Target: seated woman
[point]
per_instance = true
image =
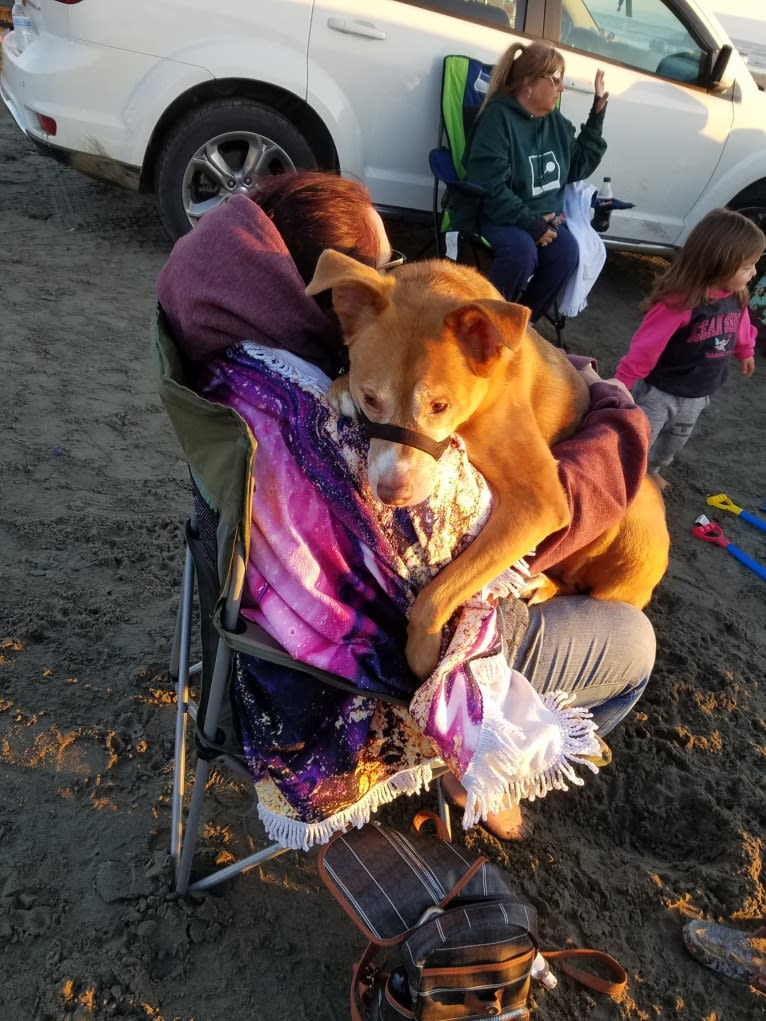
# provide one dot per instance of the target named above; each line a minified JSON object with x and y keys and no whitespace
{"x":524,"y":152}
{"x":332,"y":571}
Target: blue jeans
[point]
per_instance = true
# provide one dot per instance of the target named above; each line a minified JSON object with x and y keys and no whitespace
{"x":516,"y":259}
{"x":602,"y":652}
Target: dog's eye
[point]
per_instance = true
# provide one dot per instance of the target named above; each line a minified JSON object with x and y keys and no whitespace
{"x":438,"y":407}
{"x":371,"y":402}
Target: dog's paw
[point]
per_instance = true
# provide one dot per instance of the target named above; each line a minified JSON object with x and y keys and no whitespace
{"x":423,"y":652}
{"x":340,"y":399}
{"x":541,"y":587}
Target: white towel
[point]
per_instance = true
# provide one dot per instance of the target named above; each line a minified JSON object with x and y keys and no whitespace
{"x":577,"y":206}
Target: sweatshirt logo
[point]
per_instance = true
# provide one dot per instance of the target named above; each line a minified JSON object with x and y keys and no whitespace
{"x":545,"y":172}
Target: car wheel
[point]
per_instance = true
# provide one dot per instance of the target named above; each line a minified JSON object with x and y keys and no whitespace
{"x":218,"y":150}
{"x":754,"y":208}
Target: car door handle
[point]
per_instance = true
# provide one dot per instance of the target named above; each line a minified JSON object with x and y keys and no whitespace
{"x":574,"y":86}
{"x":363,"y":28}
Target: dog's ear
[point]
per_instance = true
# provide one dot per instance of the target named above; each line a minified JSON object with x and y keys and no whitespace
{"x":513,"y":320}
{"x":359,"y":292}
{"x":484,"y":328}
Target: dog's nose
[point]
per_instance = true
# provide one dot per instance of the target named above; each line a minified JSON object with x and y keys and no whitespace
{"x":394,"y":496}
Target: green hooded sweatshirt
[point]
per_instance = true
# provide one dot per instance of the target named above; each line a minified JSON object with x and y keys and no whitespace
{"x":524,"y":163}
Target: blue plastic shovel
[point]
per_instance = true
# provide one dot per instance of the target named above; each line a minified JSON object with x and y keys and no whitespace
{"x":711,"y":531}
{"x":722,"y":502}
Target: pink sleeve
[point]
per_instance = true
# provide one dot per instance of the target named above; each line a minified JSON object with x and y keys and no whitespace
{"x":746,"y":334}
{"x":601,"y":468}
{"x":649,"y":341}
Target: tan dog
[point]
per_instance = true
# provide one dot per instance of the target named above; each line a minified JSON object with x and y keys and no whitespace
{"x":435,"y":350}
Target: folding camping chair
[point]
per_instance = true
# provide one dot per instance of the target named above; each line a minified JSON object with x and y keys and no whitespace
{"x":220,"y":451}
{"x":464,"y":86}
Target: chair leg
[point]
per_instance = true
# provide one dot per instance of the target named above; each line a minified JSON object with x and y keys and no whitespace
{"x":179,"y":668}
{"x":184,"y":606}
{"x":558,"y":322}
{"x":443,"y":807}
{"x":186,"y":835}
{"x":184,"y":864}
{"x":239,"y":867}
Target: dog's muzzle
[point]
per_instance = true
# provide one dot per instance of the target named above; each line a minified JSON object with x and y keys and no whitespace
{"x":407,"y":437}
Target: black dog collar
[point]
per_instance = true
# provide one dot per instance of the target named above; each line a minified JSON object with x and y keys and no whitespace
{"x":407,"y":437}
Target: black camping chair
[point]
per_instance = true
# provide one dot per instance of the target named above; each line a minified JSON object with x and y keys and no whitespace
{"x":220,"y":451}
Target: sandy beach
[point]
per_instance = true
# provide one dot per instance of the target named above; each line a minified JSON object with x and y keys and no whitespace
{"x":94,"y":495}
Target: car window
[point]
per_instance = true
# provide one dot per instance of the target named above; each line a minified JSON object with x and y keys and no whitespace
{"x":643,"y":34}
{"x":503,"y":14}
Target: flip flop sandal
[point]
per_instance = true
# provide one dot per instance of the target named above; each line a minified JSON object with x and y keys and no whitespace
{"x":738,"y":955}
{"x":602,"y":757}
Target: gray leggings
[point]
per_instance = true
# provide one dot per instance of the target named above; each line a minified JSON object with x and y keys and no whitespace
{"x":602,"y":652}
{"x":671,"y":418}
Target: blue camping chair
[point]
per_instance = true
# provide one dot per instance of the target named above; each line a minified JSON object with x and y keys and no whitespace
{"x":464,"y":85}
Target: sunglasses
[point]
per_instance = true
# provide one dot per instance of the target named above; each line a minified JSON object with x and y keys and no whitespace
{"x":554,"y":79}
{"x":397,"y":259}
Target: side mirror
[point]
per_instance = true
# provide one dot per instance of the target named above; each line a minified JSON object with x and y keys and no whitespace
{"x":719,"y":65}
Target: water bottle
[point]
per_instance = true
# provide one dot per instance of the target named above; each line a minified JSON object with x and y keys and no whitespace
{"x":541,"y":972}
{"x":603,"y":209}
{"x":605,"y":191}
{"x":22,"y":26}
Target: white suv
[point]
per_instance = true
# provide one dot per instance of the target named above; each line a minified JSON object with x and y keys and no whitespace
{"x":194,"y":102}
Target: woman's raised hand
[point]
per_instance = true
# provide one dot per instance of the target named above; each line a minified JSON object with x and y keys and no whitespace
{"x":601,"y":96}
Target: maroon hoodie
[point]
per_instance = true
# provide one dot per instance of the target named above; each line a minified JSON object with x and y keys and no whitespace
{"x":601,"y":469}
{"x":232,"y":279}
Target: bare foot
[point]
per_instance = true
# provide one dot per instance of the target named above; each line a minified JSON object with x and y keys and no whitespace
{"x":662,"y":484}
{"x":508,"y":825}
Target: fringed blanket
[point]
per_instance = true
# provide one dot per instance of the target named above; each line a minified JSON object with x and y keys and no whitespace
{"x":332,"y":574}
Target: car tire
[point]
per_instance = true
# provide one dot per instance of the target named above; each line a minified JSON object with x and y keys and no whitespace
{"x":752,"y":204}
{"x":217,"y":150}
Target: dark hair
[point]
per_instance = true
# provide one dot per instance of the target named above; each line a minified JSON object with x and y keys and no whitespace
{"x":314,"y":210}
{"x":717,"y":247}
{"x":519,"y":64}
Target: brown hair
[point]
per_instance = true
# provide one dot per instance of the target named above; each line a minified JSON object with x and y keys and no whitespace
{"x":520,"y":63}
{"x":720,"y":244}
{"x":314,"y":210}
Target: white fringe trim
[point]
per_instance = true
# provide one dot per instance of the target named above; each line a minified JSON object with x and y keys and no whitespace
{"x":301,"y":836}
{"x":491,"y":781}
{"x":294,"y":368}
{"x":573,"y":310}
{"x":510,"y":582}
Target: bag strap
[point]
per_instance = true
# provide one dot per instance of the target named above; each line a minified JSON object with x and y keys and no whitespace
{"x":366,"y":976}
{"x":459,"y":886}
{"x":613,"y":989}
{"x":426,"y":815}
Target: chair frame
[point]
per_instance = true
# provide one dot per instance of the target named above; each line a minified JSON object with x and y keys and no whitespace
{"x":218,"y":591}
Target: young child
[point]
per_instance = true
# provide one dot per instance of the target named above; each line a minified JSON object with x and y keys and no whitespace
{"x":697,"y":317}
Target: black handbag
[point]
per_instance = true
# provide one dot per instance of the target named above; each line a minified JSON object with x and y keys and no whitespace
{"x":458,"y":941}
